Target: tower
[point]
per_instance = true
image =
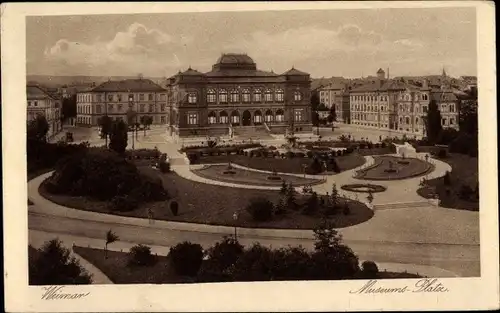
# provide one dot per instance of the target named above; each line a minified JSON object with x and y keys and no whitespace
{"x":380,"y":74}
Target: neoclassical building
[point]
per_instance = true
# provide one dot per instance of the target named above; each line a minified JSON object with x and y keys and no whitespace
{"x":41,"y":102}
{"x":398,"y":106}
{"x":235,"y":97}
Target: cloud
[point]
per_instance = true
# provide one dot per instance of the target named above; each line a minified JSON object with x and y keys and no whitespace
{"x":135,"y":49}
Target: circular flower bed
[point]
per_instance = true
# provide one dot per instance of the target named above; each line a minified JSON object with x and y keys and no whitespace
{"x":367,"y":188}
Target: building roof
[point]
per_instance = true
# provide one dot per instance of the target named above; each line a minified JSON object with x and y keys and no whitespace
{"x":385,"y":85}
{"x":191,"y":72}
{"x":239,"y":73}
{"x":234,"y":58}
{"x":380,"y":71}
{"x":294,"y":72}
{"x":126,"y":85}
{"x":38,"y":92}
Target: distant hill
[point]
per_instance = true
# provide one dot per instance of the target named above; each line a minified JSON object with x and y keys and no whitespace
{"x":58,"y":81}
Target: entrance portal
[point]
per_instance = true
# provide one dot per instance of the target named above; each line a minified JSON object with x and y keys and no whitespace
{"x":247,"y":118}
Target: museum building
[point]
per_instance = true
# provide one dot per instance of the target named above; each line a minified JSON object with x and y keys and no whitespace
{"x":236,"y":98}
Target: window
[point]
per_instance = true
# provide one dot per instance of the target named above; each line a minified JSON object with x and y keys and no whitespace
{"x":142,"y":107}
{"x":131,"y":97}
{"x":245,"y":94}
{"x":407,"y":120}
{"x":223,"y":96}
{"x":298,"y":115}
{"x":234,"y":96}
{"x":416,"y":120}
{"x":120,"y":107}
{"x":451,"y":121}
{"x":223,"y":118}
{"x":211,"y":97}
{"x":257,"y":95}
{"x":141,"y":97}
{"x":110,"y":108}
{"x":150,"y":97}
{"x":212,"y":118}
{"x":163,"y":107}
{"x":192,"y":98}
{"x":268,"y":95}
{"x":452,"y":108}
{"x":424,"y":97}
{"x":98,"y":109}
{"x":110,"y":98}
{"x":235,"y":117}
{"x":297,"y":96}
{"x":119,"y":98}
{"x":151,"y":108}
{"x":192,"y":118}
{"x":269,"y":116}
{"x":280,"y":95}
{"x":163,"y":119}
{"x":443,"y":122}
{"x":280,"y":117}
{"x":257,"y":117}
{"x":35,"y":103}
{"x":424,"y":109}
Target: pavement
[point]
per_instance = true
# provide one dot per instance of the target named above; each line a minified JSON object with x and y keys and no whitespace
{"x":430,"y":240}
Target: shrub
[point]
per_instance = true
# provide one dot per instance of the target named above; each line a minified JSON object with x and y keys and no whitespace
{"x":442,"y":154}
{"x":260,"y":209}
{"x":290,"y":155}
{"x":315,"y":167}
{"x":447,"y":179}
{"x":164,"y":167}
{"x":346,"y":209}
{"x":192,"y":157}
{"x":186,"y":258}
{"x":124,"y":203}
{"x":225,"y":253}
{"x":140,"y":255}
{"x":174,"y":207}
{"x":312,"y":204}
{"x":465,"y":192}
{"x":333,"y":165}
{"x":300,"y":155}
{"x":369,"y":270}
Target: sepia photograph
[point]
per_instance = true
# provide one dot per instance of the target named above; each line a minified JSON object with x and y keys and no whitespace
{"x":220,"y":148}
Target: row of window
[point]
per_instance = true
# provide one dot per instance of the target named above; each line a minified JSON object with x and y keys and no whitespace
{"x":118,"y":97}
{"x":192,"y":118}
{"x":88,"y":120}
{"x":404,"y":97}
{"x":245,"y":95}
{"x":99,"y":109}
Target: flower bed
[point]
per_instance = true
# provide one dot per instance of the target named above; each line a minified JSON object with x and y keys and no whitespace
{"x":366,"y":188}
{"x":389,"y":168}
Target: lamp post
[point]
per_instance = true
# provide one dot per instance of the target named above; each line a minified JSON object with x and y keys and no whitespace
{"x":235,"y":218}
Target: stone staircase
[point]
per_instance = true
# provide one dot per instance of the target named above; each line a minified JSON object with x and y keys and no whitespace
{"x":252,"y":132}
{"x":402,"y":205}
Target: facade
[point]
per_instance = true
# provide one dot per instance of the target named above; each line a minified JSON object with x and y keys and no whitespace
{"x":236,"y":97}
{"x":41,"y":102}
{"x":337,"y":95}
{"x":398,"y":106}
{"x":115,"y":98}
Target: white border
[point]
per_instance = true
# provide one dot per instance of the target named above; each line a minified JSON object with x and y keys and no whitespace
{"x":465,"y":293}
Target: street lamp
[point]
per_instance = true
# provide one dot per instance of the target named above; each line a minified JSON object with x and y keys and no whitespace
{"x":235,"y":218}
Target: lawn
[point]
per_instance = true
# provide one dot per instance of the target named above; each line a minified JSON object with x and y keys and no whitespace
{"x":464,"y":173}
{"x":115,"y":267}
{"x":212,"y":204}
{"x":401,"y":168}
{"x":245,"y":177}
{"x":293,"y":165}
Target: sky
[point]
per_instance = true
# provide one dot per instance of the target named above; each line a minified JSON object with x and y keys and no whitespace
{"x":324,"y":43}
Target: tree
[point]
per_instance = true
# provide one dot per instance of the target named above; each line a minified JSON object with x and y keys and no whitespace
{"x":314,"y":101}
{"x":467,"y":110}
{"x":332,"y":117}
{"x":110,"y":238}
{"x":186,"y":258}
{"x":284,"y":187}
{"x":312,"y":204}
{"x":68,"y":108}
{"x":105,"y":123}
{"x":118,"y":138}
{"x":335,"y":195}
{"x":433,"y":122}
{"x":261,"y":209}
{"x":220,"y":258}
{"x":332,"y":259}
{"x":38,"y":128}
{"x":52,"y":265}
{"x":369,"y":270}
{"x":140,"y":255}
{"x":291,"y":202}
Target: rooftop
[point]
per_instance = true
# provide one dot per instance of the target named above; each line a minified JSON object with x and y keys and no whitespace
{"x":126,"y":85}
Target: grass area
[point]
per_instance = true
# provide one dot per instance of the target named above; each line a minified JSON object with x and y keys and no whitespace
{"x":394,"y":168}
{"x":212,"y":204}
{"x":245,"y":177}
{"x":464,"y":173}
{"x":115,"y":267}
{"x":292,"y":165}
{"x":38,"y":172}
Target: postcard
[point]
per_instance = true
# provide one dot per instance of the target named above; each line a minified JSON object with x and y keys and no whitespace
{"x":249,"y":156}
